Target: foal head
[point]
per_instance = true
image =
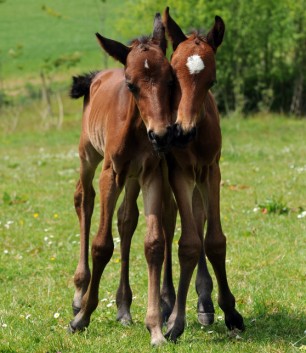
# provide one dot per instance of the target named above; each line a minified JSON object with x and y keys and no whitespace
{"x":148,"y":77}
{"x":193,"y":63}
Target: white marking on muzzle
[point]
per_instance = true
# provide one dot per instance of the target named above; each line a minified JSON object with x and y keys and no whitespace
{"x":146,"y":65}
{"x":195,"y":64}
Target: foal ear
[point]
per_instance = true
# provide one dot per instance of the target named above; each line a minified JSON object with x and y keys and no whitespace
{"x":215,"y":35}
{"x":174,"y":31}
{"x":159,"y":33}
{"x":115,"y":49}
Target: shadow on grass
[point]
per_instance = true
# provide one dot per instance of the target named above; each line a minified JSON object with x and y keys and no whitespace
{"x":272,"y":324}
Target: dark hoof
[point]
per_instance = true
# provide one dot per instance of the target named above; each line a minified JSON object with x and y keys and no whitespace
{"x":206,"y":319}
{"x":174,"y":333}
{"x":234,"y":321}
{"x":77,"y":325}
{"x":205,"y":311}
{"x":75,"y":310}
{"x":71,"y":329}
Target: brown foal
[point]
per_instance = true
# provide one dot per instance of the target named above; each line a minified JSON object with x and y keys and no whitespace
{"x":126,"y":122}
{"x":194,"y":174}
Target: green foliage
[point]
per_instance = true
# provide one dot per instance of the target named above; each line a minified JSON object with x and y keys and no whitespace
{"x":261,"y":64}
{"x":263,"y":55}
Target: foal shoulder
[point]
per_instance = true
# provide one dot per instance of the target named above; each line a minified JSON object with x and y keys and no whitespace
{"x":107,"y":80}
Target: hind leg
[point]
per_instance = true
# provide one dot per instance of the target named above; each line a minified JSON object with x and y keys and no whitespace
{"x":215,"y":247}
{"x":127,"y":221}
{"x":204,"y":284}
{"x":102,"y":247}
{"x":84,"y":204}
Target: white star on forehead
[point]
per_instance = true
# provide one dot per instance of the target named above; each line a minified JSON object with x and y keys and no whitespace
{"x":195,"y":64}
{"x":146,"y":65}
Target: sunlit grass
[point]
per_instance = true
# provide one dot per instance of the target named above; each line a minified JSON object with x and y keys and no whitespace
{"x":263,"y":159}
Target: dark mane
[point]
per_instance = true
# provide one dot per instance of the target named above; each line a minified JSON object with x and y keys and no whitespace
{"x":196,"y":34}
{"x":145,"y":40}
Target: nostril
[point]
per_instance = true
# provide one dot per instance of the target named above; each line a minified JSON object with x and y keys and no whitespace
{"x":151,"y":135}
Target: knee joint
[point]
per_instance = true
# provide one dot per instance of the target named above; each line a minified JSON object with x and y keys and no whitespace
{"x":102,"y":251}
{"x":81,"y":278}
{"x":154,"y":249}
{"x":215,"y":246}
{"x":190,"y":251}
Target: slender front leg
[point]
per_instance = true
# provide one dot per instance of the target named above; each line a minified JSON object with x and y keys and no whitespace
{"x":154,"y":251}
{"x":189,"y":249}
{"x":215,"y":248}
{"x":102,"y":246}
{"x":84,"y":198}
{"x":127,"y":221}
{"x":204,"y":284}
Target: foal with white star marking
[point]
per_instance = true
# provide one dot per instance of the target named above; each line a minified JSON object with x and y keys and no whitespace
{"x":194,"y":174}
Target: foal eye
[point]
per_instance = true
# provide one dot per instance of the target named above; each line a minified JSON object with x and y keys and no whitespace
{"x":131,"y":87}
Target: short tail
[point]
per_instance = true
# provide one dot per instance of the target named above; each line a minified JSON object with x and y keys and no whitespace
{"x":81,"y":85}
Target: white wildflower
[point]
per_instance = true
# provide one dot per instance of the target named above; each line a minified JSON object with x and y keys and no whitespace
{"x":302,"y":214}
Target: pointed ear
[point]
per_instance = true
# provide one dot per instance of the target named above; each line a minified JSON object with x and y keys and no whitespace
{"x":174,"y":31}
{"x":215,"y":35}
{"x":115,"y":49}
{"x":159,"y":33}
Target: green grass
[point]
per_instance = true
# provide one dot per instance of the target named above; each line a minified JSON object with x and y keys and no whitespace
{"x":30,"y":35}
{"x":263,"y":158}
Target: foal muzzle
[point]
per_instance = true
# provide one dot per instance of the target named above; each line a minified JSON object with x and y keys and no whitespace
{"x":181,"y":138}
{"x":161,"y":143}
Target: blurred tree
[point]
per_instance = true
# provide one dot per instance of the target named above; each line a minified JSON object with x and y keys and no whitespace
{"x":261,"y":63}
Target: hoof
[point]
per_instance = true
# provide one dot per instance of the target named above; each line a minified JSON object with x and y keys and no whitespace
{"x":234,"y":321}
{"x":125,"y":319}
{"x":172,"y":336}
{"x":78,"y":324}
{"x":206,"y":319}
{"x":71,"y":329}
{"x":174,"y":333}
{"x":158,"y":341}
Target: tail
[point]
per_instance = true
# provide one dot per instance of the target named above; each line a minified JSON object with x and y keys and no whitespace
{"x":81,"y":84}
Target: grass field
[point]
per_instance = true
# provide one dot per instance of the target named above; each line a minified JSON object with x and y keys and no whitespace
{"x":263,"y":170}
{"x":34,"y":31}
